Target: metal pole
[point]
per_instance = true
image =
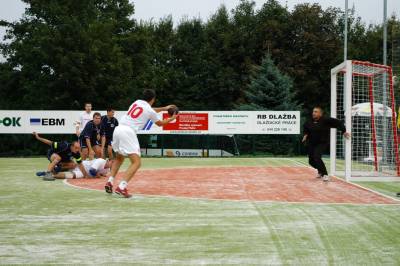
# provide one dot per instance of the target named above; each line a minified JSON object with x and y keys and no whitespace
{"x":385,"y":85}
{"x":348,"y":119}
{"x":346,"y":18}
{"x":385,"y":32}
{"x":333,"y":131}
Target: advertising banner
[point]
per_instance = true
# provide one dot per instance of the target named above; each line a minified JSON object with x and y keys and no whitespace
{"x":189,"y":122}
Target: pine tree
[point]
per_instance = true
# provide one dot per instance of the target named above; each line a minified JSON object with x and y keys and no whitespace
{"x":269,"y":89}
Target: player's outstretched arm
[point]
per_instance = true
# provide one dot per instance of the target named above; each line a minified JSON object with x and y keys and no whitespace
{"x":83,"y":170}
{"x":161,"y":123}
{"x":338,"y":124}
{"x":89,"y":145}
{"x":163,"y":109}
{"x":39,"y":138}
{"x":103,"y":145}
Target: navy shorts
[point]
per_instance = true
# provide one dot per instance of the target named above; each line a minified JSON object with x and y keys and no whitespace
{"x":108,"y":141}
{"x":64,"y":159}
{"x":82,"y":142}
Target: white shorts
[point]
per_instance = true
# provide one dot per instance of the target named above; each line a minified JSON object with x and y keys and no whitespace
{"x":125,"y":141}
{"x":98,"y":164}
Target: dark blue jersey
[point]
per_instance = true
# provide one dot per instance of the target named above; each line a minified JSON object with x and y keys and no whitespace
{"x":63,"y":149}
{"x":107,"y":126}
{"x":91,"y":131}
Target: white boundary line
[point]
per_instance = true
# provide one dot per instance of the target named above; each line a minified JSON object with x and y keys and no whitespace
{"x":356,"y":185}
{"x":65,"y":181}
{"x":233,"y":200}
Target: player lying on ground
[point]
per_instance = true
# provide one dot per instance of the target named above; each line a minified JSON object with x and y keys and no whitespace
{"x":61,"y":155}
{"x":108,"y":124}
{"x":89,"y":138}
{"x":96,"y":168}
{"x":125,"y":142}
{"x":316,"y":133}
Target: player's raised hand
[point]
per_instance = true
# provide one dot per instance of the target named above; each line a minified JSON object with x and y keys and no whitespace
{"x":347,"y":135}
{"x":36,"y":135}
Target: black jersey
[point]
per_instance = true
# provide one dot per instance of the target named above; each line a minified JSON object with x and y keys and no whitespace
{"x":318,"y":131}
{"x":63,"y":149}
{"x":108,"y":126}
{"x":91,"y":131}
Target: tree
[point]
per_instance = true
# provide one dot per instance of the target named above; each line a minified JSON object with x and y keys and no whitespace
{"x":270,"y":89}
{"x":67,"y":52}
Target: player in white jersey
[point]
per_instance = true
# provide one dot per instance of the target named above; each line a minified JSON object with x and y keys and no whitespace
{"x":84,"y":118}
{"x":95,"y":168}
{"x":125,"y":142}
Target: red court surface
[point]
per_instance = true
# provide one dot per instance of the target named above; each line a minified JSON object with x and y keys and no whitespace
{"x":280,"y":184}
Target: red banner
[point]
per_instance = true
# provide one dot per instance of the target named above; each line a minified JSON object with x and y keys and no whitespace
{"x":188,"y":121}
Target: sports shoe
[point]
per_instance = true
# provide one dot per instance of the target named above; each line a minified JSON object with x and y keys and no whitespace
{"x":108,"y":187}
{"x":41,"y":173}
{"x":325,"y":178}
{"x":319,"y":176}
{"x":123,"y":192}
{"x":48,"y":177}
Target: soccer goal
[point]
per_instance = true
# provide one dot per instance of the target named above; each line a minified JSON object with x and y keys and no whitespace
{"x":362,"y":95}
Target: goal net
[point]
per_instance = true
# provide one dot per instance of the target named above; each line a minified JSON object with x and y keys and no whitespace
{"x":362,"y":95}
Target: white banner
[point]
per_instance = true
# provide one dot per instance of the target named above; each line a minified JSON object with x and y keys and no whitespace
{"x":189,"y":122}
{"x":186,"y":152}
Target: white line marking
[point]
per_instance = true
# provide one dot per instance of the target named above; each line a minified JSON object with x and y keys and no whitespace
{"x":356,"y":185}
{"x":65,"y":181}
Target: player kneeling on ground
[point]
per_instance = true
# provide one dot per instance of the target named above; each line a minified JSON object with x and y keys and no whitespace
{"x":317,"y":132}
{"x":96,"y":168}
{"x":125,"y":143}
{"x":90,"y":138}
{"x":60,"y":156}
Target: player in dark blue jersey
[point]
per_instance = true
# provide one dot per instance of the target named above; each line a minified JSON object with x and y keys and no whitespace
{"x":89,"y":138}
{"x":108,"y":124}
{"x":61,"y":155}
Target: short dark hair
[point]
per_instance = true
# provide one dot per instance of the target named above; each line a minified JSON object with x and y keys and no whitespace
{"x":96,"y":114}
{"x":109,"y":109}
{"x":148,"y":95}
{"x":74,"y":142}
{"x":319,"y":107}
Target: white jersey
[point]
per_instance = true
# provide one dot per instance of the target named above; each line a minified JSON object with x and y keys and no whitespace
{"x":84,"y":117}
{"x":140,"y":116}
{"x":97,"y":164}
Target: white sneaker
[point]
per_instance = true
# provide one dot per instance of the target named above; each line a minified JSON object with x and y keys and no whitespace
{"x":326,"y":178}
{"x":319,"y":176}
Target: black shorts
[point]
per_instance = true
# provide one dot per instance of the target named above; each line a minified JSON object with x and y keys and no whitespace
{"x":108,"y":141}
{"x":64,"y":159}
{"x":82,"y":142}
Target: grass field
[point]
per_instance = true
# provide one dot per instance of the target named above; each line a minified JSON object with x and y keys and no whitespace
{"x":49,"y":222}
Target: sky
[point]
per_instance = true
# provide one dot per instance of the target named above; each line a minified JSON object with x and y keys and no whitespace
{"x":371,"y":11}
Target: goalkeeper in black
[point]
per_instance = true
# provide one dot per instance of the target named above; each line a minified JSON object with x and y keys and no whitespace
{"x":317,"y":136}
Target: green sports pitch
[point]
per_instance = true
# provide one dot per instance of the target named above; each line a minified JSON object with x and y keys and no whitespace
{"x":53,"y":223}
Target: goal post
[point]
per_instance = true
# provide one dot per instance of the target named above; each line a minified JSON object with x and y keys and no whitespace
{"x":362,"y":96}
